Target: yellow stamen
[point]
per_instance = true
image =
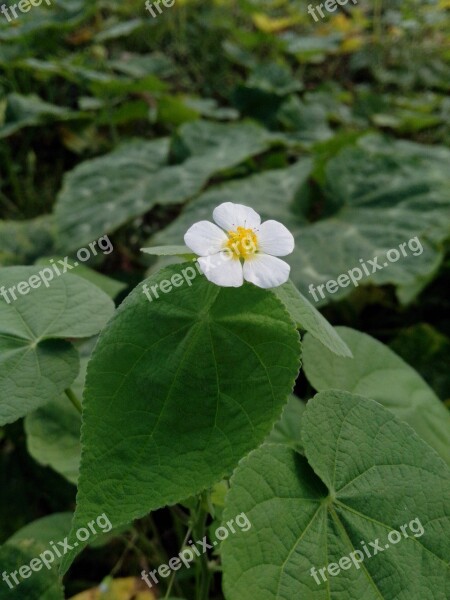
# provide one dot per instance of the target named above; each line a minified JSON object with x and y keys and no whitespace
{"x":242,"y":242}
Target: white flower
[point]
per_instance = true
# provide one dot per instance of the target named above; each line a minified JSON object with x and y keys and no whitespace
{"x":241,"y":247}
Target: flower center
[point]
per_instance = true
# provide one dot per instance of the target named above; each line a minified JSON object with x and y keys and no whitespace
{"x":242,"y":242}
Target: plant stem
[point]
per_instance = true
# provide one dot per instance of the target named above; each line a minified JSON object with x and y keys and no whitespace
{"x":172,"y":579}
{"x":377,"y":20}
{"x":72,"y":397}
{"x":203,"y":574}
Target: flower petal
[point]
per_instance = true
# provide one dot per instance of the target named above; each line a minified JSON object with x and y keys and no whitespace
{"x":222,"y":269}
{"x":229,"y":216}
{"x":205,"y":238}
{"x":266,"y":271}
{"x":275,"y":239}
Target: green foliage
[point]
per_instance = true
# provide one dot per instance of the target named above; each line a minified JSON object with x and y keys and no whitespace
{"x":376,"y":372}
{"x":128,"y":182}
{"x":26,"y":545}
{"x":309,"y":319}
{"x":191,"y":385}
{"x":53,"y":431}
{"x":114,"y":122}
{"x":21,"y":242}
{"x":365,"y":474}
{"x":37,"y":362}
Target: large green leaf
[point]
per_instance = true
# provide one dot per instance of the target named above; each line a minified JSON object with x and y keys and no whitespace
{"x":101,"y":194}
{"x":377,"y":372}
{"x":37,"y":363}
{"x":365,"y":475}
{"x":178,"y":390}
{"x":386,"y":193}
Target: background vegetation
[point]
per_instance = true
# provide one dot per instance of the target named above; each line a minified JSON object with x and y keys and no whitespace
{"x":112,"y":122}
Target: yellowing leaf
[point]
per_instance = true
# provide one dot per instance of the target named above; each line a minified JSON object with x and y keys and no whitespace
{"x":128,"y":588}
{"x":265,"y":23}
{"x":352,"y":44}
{"x":342,"y":23}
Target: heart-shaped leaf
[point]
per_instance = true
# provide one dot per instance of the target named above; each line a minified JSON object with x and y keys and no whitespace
{"x":178,"y":390}
{"x":377,"y":372}
{"x":36,"y":361}
{"x":373,"y":490}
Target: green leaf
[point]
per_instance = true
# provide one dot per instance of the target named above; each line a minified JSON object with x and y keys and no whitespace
{"x":110,"y":286}
{"x":120,"y":183}
{"x":25,"y":111}
{"x":287,"y":429}
{"x":274,"y":79}
{"x":21,"y":242}
{"x":365,"y":475}
{"x":53,"y":437}
{"x":53,"y":431}
{"x":118,"y":30}
{"x":41,"y":585}
{"x":36,"y":361}
{"x":182,"y":251}
{"x":139,"y":65}
{"x":63,"y":17}
{"x":43,"y":531}
{"x":377,"y":372}
{"x":311,"y":48}
{"x":427,"y":350}
{"x":271,"y":193}
{"x":305,"y":122}
{"x":385,"y":193}
{"x":27,"y":544}
{"x":192,"y":380}
{"x":309,"y":319}
{"x":101,"y":194}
